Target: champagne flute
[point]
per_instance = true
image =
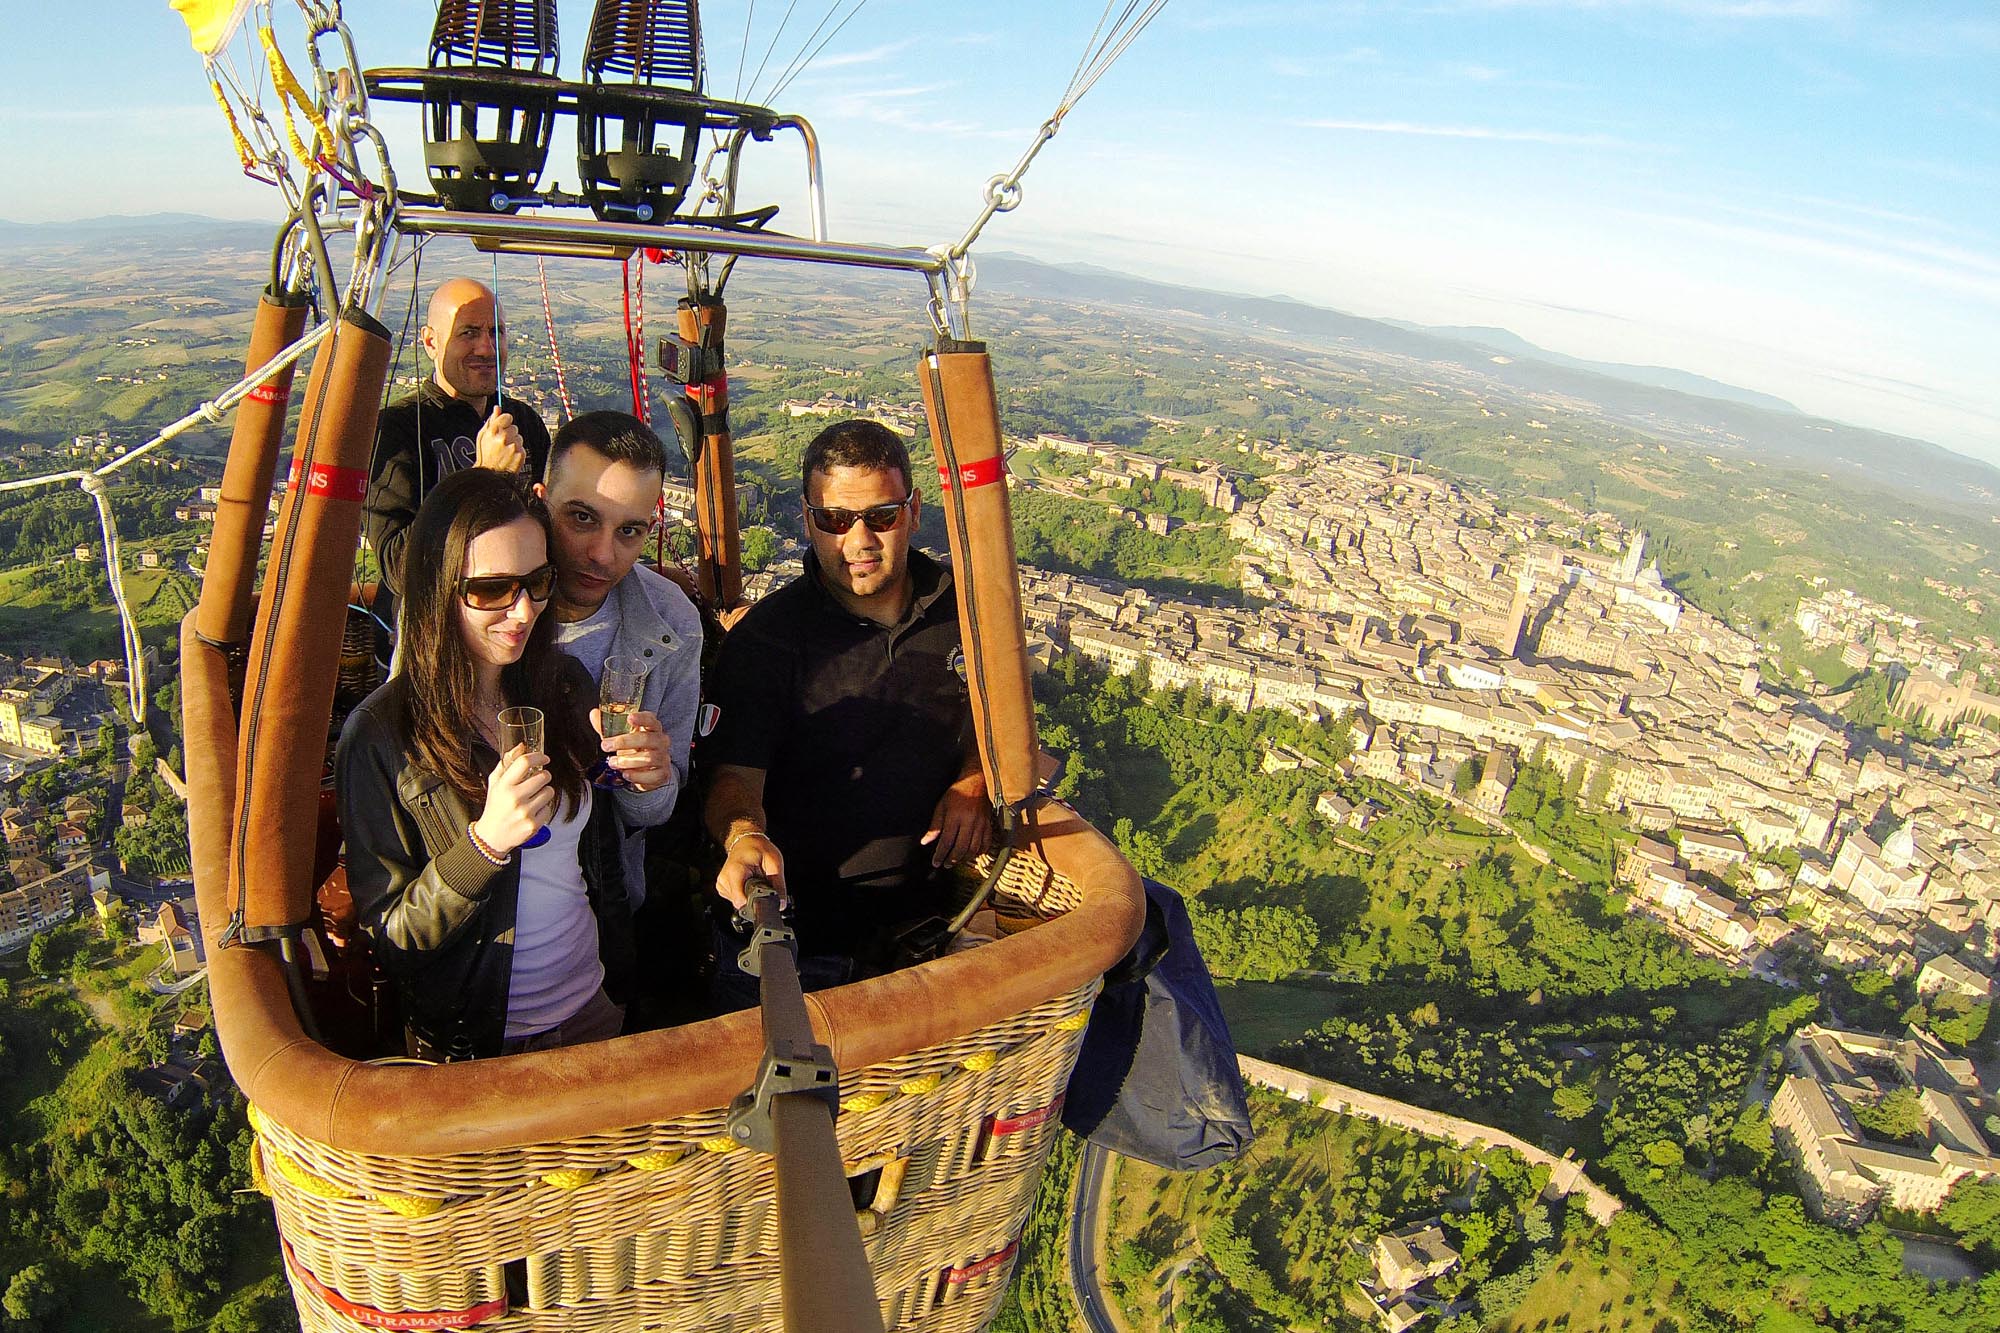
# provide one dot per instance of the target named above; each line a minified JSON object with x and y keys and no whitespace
{"x":524,"y":726}
{"x":618,"y":693}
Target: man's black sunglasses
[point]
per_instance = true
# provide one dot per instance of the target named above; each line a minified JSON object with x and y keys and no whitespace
{"x":499,"y":592}
{"x":879,"y":518}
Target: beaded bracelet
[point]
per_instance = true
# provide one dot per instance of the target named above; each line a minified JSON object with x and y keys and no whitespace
{"x":479,"y":845}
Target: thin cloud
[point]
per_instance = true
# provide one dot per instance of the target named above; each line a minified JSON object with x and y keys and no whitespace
{"x":872,"y":56}
{"x":1913,"y":247}
{"x":1954,"y":273}
{"x":1513,"y":299}
{"x":898,"y":109}
{"x":139,"y":117}
{"x":1949,"y":172}
{"x":1490,"y":132}
{"x":1894,"y":215}
{"x":1292,"y":67}
{"x":1288,"y":16}
{"x":1722,"y":9}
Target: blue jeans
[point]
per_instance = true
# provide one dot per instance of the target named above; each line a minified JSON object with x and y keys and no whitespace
{"x":598,"y":1020}
{"x":734,"y":989}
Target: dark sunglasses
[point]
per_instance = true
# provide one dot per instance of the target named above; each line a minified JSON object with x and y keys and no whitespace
{"x":499,"y":592}
{"x":879,"y":518}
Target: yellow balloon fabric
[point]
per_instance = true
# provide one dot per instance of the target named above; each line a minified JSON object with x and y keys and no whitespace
{"x":210,"y":22}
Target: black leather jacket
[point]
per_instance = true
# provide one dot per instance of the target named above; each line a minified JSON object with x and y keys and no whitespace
{"x":439,"y":916}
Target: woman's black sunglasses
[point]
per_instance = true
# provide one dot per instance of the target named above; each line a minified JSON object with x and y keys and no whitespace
{"x":499,"y":592}
{"x":879,"y":518}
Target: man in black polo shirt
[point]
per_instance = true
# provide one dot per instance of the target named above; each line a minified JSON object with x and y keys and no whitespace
{"x":841,"y":764}
{"x":454,"y":420}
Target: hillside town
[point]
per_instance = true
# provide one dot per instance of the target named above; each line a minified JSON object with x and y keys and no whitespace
{"x":1451,"y":631}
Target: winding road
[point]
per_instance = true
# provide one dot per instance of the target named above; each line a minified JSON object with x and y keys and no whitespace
{"x":1090,"y":1174}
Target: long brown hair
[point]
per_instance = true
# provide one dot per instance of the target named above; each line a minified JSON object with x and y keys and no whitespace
{"x":440,"y":688}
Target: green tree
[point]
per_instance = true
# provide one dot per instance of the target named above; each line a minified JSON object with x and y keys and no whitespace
{"x":1477,"y":1235}
{"x":1751,"y":1135}
{"x":1267,"y":941}
{"x":1958,"y":1021}
{"x":760,"y":548}
{"x":31,"y":1296}
{"x":1972,"y":1213}
{"x":1574,"y":1101}
{"x":1899,"y":1115}
{"x":1665,"y":1153}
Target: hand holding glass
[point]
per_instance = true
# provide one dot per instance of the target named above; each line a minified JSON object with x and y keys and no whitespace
{"x":523,"y":726}
{"x":618,"y":693}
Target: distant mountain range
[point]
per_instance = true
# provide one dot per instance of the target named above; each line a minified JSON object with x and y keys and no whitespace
{"x":146,"y":226}
{"x":1656,"y":377}
{"x":1673,"y":405}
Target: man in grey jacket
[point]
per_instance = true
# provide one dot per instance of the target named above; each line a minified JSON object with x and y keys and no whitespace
{"x":602,"y":490}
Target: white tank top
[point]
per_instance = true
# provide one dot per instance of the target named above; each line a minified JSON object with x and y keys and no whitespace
{"x":556,"y":965}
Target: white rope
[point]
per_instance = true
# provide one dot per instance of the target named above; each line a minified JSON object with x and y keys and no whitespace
{"x":555,"y":351}
{"x":94,"y":485}
{"x":135,"y":656}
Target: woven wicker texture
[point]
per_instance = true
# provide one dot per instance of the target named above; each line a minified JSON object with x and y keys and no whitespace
{"x":672,"y":1225}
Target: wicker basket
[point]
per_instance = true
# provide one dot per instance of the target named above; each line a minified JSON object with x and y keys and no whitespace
{"x":672,"y":1225}
{"x":596,"y":1187}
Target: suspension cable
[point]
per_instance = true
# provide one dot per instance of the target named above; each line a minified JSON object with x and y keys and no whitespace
{"x":805,"y":58}
{"x":1108,"y":41}
{"x":773,"y":44}
{"x":749,"y":14}
{"x":1100,"y":55}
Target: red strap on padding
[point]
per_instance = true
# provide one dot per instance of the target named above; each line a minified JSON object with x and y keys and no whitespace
{"x":335,"y":483}
{"x":955,"y":1276}
{"x":369,"y":1317}
{"x":982,"y":473}
{"x":1027,"y":1119}
{"x":270,"y":393}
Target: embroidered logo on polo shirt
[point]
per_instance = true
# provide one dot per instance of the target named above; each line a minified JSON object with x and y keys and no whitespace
{"x":706,"y":719}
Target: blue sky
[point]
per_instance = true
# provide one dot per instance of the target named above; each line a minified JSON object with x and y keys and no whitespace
{"x":1800,"y":196}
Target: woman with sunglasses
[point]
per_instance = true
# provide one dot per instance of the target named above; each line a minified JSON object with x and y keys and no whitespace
{"x":496,"y":940}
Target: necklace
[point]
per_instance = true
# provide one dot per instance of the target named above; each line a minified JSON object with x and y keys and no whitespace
{"x":486,"y":717}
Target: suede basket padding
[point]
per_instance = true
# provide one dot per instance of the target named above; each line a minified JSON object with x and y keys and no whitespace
{"x":963,"y":410}
{"x":246,"y":477}
{"x":295,"y":646}
{"x":483,"y":1105}
{"x":720,"y":566}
